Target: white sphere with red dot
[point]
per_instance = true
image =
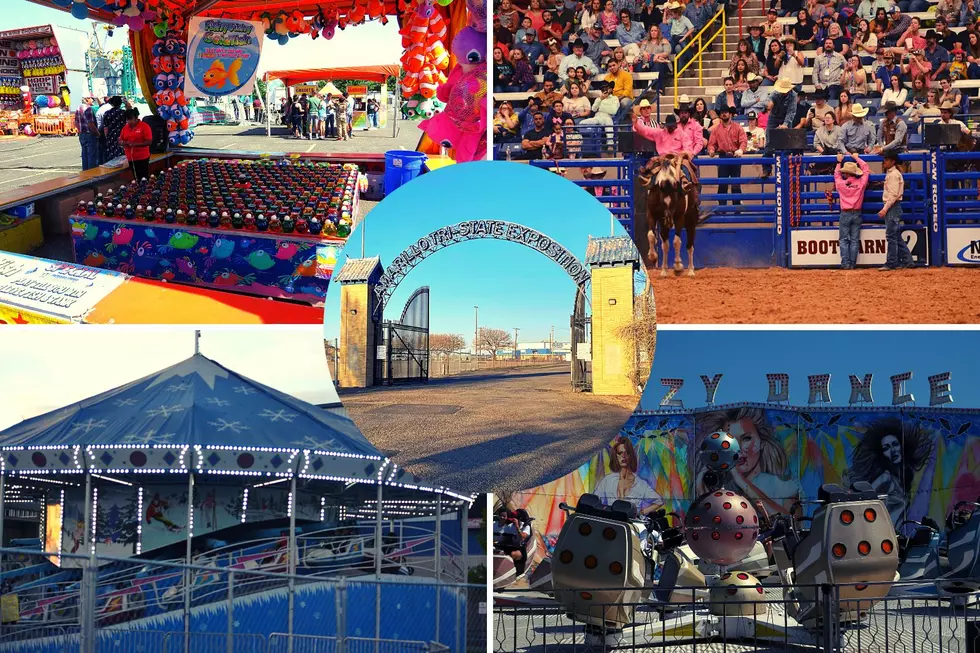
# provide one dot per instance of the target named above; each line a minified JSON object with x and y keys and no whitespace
{"x":721,"y":527}
{"x":719,"y":452}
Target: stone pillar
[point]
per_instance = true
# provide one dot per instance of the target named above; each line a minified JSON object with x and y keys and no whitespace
{"x":358,"y":322}
{"x":613,"y":262}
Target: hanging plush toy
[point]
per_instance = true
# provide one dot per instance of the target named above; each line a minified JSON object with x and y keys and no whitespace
{"x":463,"y":124}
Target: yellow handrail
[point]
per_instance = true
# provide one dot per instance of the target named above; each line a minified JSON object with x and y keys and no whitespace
{"x":699,"y":38}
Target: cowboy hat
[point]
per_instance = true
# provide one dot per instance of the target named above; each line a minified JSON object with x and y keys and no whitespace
{"x":948,"y":106}
{"x":783,"y":85}
{"x":644,"y":103}
{"x":859,"y":111}
{"x":851,"y":168}
{"x":889,"y":106}
{"x":558,"y":171}
{"x":674,"y":5}
{"x":594,"y":173}
{"x":752,"y":77}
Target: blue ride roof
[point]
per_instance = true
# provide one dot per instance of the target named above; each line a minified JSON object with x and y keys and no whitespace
{"x":195,"y":402}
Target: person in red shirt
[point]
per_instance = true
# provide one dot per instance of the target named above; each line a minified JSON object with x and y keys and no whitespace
{"x":135,"y":138}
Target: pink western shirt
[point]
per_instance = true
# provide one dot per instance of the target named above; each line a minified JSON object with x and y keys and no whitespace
{"x":683,"y":139}
{"x":851,"y":189}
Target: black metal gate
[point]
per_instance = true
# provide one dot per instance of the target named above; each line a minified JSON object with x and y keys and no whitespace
{"x":403,"y":346}
{"x":581,"y":346}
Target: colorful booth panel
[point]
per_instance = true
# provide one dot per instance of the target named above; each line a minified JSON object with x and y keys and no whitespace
{"x":269,"y":265}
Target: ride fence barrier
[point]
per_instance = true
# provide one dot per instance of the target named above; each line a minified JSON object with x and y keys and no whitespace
{"x":442,"y":365}
{"x":95,"y":604}
{"x":615,"y":188}
{"x":915,"y":617}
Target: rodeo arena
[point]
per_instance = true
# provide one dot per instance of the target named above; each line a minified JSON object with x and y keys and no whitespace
{"x":762,"y":96}
{"x":197,"y":510}
{"x":753,"y":526}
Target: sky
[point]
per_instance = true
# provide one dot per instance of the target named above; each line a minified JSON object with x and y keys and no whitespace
{"x":513,"y":285}
{"x":745,"y":357}
{"x":49,"y":367}
{"x":366,"y":45}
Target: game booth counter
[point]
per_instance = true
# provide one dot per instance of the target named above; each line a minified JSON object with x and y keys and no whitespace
{"x":40,"y":68}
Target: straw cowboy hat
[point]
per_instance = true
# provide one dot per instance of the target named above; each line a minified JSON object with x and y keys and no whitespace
{"x":683,"y":103}
{"x":644,"y":103}
{"x":558,"y":171}
{"x":594,"y":173}
{"x":949,"y":106}
{"x":751,"y":77}
{"x":859,"y":111}
{"x":783,"y":85}
{"x":674,"y":5}
{"x":851,"y":168}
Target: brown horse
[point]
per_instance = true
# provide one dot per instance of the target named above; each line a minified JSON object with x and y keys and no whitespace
{"x":672,"y":204}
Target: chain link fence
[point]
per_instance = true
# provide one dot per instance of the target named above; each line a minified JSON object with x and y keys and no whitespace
{"x":104,"y":604}
{"x":442,"y":365}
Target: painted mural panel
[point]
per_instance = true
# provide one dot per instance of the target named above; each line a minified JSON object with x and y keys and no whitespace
{"x":953,"y":471}
{"x":768,"y":468}
{"x":164,"y":515}
{"x":216,"y":508}
{"x":645,"y":465}
{"x":116,"y":520}
{"x":73,"y":535}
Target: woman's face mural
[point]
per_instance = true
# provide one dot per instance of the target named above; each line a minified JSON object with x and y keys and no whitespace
{"x":622,"y":457}
{"x":891,"y":449}
{"x":744,"y":430}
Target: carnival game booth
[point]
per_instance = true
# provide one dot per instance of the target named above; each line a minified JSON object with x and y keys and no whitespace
{"x":198,"y":465}
{"x":40,"y":68}
{"x":303,"y":81}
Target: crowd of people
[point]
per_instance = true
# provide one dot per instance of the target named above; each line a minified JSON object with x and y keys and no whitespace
{"x":857,"y":50}
{"x":313,"y":117}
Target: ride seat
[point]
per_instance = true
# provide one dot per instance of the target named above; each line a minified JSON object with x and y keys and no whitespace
{"x":622,"y":510}
{"x":862,"y":491}
{"x":832,"y":493}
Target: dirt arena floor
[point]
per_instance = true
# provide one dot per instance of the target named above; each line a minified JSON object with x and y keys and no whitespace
{"x":779,"y":296}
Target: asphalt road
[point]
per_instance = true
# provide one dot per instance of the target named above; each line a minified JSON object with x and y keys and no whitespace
{"x":26,"y":160}
{"x":484,"y":431}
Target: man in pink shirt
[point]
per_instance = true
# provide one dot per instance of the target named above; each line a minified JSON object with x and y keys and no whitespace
{"x":850,"y":179}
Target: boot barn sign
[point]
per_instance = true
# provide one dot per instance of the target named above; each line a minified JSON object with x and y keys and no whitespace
{"x":820,"y":247}
{"x":940,"y":392}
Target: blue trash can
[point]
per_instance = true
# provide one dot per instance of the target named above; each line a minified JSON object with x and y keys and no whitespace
{"x":401,"y":166}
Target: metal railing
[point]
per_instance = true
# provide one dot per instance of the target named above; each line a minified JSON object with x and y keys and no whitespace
{"x":912,"y":618}
{"x":118,"y":604}
{"x":703,"y":44}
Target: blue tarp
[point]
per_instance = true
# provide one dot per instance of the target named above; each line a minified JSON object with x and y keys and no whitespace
{"x":193,"y":402}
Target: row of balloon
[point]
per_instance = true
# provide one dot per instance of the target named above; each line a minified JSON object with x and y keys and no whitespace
{"x":36,"y":48}
{"x":425,"y":58}
{"x":169,"y":62}
{"x":134,"y":14}
{"x":48,"y":101}
{"x":10,"y":93}
{"x":43,"y":67}
{"x":283,"y":26}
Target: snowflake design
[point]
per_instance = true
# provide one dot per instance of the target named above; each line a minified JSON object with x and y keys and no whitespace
{"x":125,"y":402}
{"x":302,"y":604}
{"x":316,"y":615}
{"x":164,"y":411}
{"x":276,"y":415}
{"x":245,"y":390}
{"x":310,"y":442}
{"x":88,"y":425}
{"x":178,"y":387}
{"x":237,"y":624}
{"x":215,"y":401}
{"x":223,"y":424}
{"x":149,"y":437}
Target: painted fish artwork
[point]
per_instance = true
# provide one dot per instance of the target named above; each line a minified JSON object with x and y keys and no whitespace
{"x":218,"y":76}
{"x":256,"y":264}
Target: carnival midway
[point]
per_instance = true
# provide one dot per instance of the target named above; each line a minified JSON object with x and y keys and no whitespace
{"x":195,"y":509}
{"x":771,"y":524}
{"x":158,"y":230}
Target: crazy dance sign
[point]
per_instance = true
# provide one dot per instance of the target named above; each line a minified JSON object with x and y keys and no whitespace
{"x":222,"y":57}
{"x":472,"y":230}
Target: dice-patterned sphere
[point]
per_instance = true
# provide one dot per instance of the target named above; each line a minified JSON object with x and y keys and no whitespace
{"x":737,"y":593}
{"x":721,"y":527}
{"x":720,"y":451}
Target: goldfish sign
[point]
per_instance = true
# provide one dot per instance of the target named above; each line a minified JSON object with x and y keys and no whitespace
{"x":222,"y":56}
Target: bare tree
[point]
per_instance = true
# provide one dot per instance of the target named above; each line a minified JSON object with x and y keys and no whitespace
{"x":493,"y":339}
{"x":446,"y":343}
{"x":640,"y":336}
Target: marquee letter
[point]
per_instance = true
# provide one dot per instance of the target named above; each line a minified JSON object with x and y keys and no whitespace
{"x":668,"y":400}
{"x":939,"y":391}
{"x":819,"y":388}
{"x":710,"y":387}
{"x":898,"y":389}
{"x":778,"y":387}
{"x":861,"y":389}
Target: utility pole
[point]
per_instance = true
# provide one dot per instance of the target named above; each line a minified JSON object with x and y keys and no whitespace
{"x":551,"y":347}
{"x":476,"y":332}
{"x":515,"y":342}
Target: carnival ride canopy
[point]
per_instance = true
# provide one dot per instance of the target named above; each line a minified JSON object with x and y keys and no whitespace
{"x":195,"y":402}
{"x":365,"y":73}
